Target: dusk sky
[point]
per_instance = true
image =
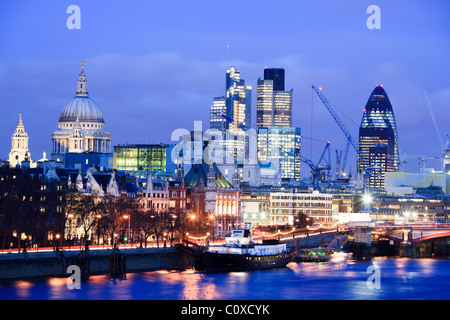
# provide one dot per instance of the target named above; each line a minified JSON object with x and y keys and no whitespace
{"x":155,"y":66}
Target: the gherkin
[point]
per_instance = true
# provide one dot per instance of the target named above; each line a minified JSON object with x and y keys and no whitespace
{"x":378,"y":140}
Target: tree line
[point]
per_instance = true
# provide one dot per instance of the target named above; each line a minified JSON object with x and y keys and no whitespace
{"x":34,"y":212}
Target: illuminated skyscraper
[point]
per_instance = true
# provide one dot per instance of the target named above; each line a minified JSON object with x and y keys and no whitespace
{"x":378,"y":140}
{"x":273,"y":104}
{"x":277,"y":76}
{"x":218,"y":109}
{"x":231,"y":115}
{"x":278,"y":141}
{"x":279,"y":147}
{"x":238,"y":100}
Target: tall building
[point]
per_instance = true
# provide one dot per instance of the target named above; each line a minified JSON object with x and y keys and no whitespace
{"x":279,"y":147}
{"x":273,"y":103}
{"x":231,"y":115}
{"x":378,"y":140}
{"x":81,"y":128}
{"x":19,"y":145}
{"x":277,"y":76}
{"x":218,"y":108}
{"x":278,"y":142}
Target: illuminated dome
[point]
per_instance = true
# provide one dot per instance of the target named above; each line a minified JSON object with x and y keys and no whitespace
{"x":85,"y":108}
{"x":81,"y":106}
{"x":81,"y":127}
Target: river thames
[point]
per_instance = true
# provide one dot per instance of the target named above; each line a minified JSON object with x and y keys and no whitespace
{"x":343,"y":279}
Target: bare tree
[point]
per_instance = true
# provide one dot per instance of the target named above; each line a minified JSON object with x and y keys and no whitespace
{"x":84,"y":207}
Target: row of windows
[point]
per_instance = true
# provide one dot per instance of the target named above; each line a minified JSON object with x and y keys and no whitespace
{"x":301,"y":204}
{"x":294,"y":211}
{"x":84,"y":125}
{"x":303,"y":198}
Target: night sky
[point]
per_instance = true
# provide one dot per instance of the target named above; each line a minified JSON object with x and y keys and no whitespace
{"x":155,"y":66}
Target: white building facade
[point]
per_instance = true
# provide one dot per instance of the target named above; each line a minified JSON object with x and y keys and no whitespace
{"x":19,"y":145}
{"x":286,"y":206}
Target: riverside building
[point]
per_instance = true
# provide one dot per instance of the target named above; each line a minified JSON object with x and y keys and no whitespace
{"x":285,"y":206}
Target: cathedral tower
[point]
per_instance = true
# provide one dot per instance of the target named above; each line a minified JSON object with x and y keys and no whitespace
{"x":19,"y":145}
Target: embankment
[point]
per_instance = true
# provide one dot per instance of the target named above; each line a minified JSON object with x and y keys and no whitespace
{"x":45,"y":264}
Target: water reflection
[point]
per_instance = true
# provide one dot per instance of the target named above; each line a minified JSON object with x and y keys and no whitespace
{"x":348,"y":279}
{"x":58,"y":288}
{"x":196,"y":286}
{"x":23,"y":289}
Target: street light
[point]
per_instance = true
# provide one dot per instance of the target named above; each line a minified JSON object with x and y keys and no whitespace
{"x":98,"y":216}
{"x":367,"y":200}
{"x":70,"y":217}
{"x":57,"y":241}
{"x":127,"y":217}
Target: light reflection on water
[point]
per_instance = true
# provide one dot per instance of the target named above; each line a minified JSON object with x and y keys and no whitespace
{"x":342,"y":279}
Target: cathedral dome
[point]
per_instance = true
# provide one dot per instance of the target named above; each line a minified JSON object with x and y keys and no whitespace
{"x":84,"y":107}
{"x":81,"y":106}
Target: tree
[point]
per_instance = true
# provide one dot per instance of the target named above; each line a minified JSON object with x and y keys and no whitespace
{"x":302,"y":220}
{"x":84,"y":207}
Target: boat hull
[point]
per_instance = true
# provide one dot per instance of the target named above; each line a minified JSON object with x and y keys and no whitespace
{"x":219,"y":262}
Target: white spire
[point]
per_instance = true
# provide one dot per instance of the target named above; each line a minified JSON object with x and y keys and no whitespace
{"x":19,"y":145}
{"x":82,"y":83}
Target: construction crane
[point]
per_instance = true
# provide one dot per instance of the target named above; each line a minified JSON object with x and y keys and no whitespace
{"x":342,"y":162}
{"x":318,"y":169}
{"x":354,"y":144}
{"x":327,"y":166}
{"x":445,"y":145}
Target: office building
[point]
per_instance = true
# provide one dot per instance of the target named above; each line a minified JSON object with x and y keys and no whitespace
{"x":278,"y":143}
{"x":218,"y":110}
{"x":286,"y":206}
{"x":140,"y":158}
{"x":231,"y":115}
{"x":273,"y":103}
{"x":279,"y":148}
{"x":378,"y":140}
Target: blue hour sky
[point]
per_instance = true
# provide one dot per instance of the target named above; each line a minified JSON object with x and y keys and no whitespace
{"x":155,"y":66}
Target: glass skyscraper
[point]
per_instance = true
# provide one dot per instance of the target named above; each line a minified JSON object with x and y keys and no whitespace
{"x":378,"y":140}
{"x":238,"y":100}
{"x":281,"y":147}
{"x":218,"y":109}
{"x":273,"y":103}
{"x":231,"y":115}
{"x":278,"y":142}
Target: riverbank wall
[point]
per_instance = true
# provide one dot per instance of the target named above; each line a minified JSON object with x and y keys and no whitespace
{"x":316,"y":241}
{"x":48,"y":264}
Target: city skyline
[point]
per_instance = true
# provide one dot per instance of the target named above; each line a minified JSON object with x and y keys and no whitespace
{"x":153,"y":73}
